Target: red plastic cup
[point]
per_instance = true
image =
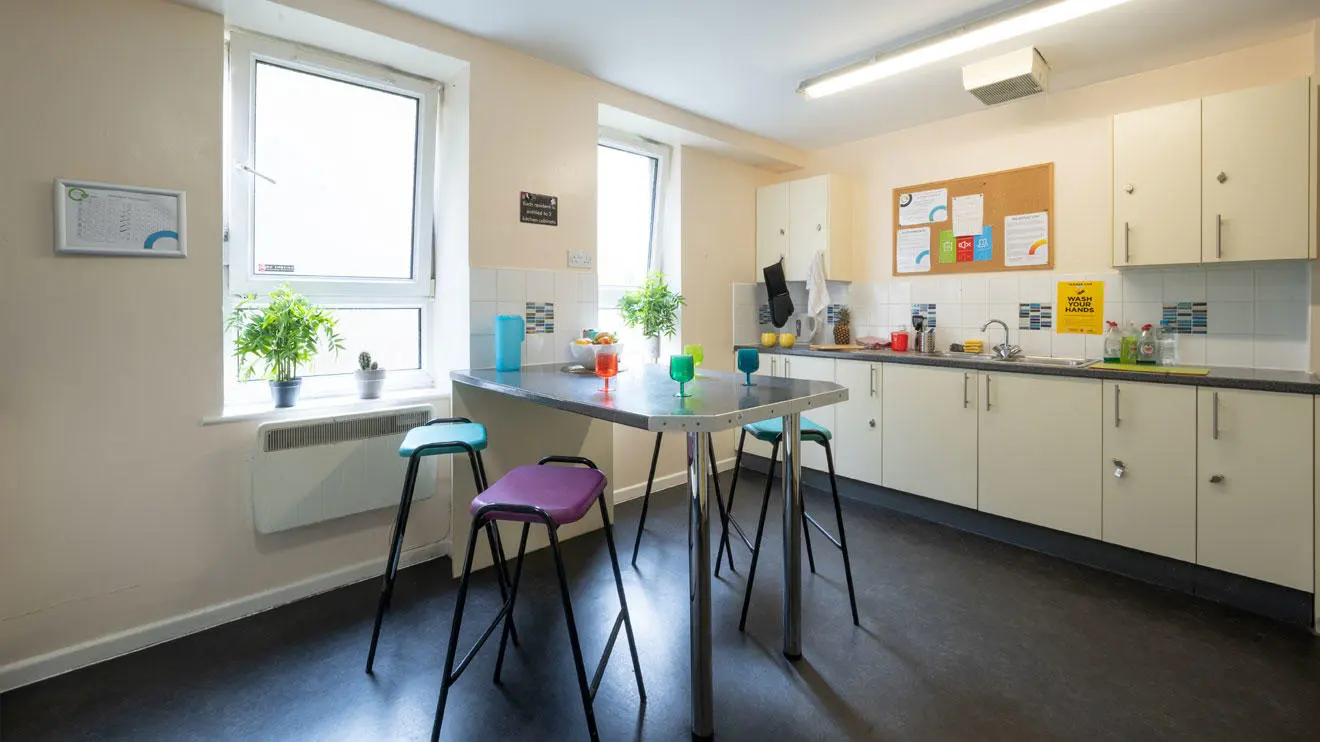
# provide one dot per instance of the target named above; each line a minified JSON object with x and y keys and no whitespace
{"x":898,"y":341}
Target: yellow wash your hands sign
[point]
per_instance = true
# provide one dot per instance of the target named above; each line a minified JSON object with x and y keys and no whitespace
{"x":1081,"y":307}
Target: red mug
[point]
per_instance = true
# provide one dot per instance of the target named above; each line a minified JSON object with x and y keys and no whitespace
{"x":898,"y":341}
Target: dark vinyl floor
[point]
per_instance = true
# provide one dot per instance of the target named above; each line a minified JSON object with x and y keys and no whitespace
{"x":961,"y":639}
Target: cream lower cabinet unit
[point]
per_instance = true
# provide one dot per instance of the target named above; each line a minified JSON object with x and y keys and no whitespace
{"x":1149,"y":468}
{"x":929,"y":432}
{"x":857,"y":422}
{"x":1255,"y":488}
{"x":1038,"y":444}
{"x":800,"y":367}
{"x":812,"y":369}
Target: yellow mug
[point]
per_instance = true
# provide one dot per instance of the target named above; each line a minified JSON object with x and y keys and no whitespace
{"x":768,"y":339}
{"x":786,"y":339}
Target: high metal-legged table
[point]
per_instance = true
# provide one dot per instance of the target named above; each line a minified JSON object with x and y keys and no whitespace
{"x":719,"y":402}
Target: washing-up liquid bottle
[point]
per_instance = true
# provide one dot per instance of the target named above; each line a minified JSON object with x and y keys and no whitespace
{"x":1113,"y":342}
{"x":1128,"y":349}
{"x":1148,"y":346}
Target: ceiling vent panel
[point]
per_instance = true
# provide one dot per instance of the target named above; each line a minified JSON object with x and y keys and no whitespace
{"x":1009,"y":77}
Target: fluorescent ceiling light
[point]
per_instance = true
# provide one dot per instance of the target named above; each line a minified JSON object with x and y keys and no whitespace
{"x":969,"y":38}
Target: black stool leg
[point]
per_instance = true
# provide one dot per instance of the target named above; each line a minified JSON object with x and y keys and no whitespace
{"x":513,"y":598}
{"x":733,"y":487}
{"x":646,"y":498}
{"x":492,"y":533}
{"x":392,"y":559}
{"x":501,"y":576}
{"x":843,"y":539}
{"x":719,"y":499}
{"x":760,"y":530}
{"x":806,"y":536}
{"x":446,"y":679}
{"x":572,"y":633}
{"x":623,"y":599}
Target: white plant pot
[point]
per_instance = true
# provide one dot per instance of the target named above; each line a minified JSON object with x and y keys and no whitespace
{"x":369,"y":382}
{"x":653,"y":350}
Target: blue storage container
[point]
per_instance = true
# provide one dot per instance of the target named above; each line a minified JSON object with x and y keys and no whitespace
{"x":509,"y":333}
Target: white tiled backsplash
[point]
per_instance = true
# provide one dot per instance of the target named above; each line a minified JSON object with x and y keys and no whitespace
{"x":557,"y":306}
{"x":1253,"y":315}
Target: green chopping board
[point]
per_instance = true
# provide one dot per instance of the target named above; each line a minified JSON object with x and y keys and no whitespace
{"x":1142,"y":368}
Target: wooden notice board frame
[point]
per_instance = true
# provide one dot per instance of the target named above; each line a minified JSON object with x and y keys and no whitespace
{"x":1024,"y":190}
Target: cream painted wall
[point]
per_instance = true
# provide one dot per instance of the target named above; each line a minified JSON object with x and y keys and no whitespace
{"x":118,"y":508}
{"x":1072,"y":129}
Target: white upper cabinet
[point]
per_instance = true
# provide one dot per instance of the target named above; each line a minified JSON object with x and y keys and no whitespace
{"x":771,"y":225}
{"x":1226,"y":178}
{"x":798,"y":219}
{"x":857,"y":421}
{"x":1256,"y":166}
{"x":1157,"y":185}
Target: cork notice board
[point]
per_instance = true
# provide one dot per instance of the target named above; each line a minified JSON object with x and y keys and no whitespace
{"x":1000,"y":221}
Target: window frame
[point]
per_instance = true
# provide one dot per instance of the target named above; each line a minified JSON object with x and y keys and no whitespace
{"x":638,"y":145}
{"x":245,"y":50}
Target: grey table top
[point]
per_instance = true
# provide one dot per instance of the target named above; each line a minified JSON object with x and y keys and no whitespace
{"x":643,"y":396}
{"x":1221,"y":377}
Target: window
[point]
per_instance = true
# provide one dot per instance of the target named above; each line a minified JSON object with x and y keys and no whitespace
{"x":331,"y":191}
{"x":630,"y":185}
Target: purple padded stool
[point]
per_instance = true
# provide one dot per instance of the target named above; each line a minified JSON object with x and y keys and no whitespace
{"x":553,"y":496}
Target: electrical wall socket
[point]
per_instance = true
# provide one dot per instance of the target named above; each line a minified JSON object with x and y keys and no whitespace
{"x":579,"y":259}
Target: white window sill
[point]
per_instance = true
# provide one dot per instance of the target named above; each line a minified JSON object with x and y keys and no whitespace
{"x":326,"y":407}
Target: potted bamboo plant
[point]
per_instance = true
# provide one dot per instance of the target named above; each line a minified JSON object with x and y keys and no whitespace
{"x":654,"y":308}
{"x":285,"y":333}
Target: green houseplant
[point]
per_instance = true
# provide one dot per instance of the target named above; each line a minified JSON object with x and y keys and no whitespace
{"x":285,"y":333}
{"x":653,"y":308}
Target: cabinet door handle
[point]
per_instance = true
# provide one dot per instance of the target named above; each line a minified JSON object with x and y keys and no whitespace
{"x":1214,"y":416}
{"x":817,"y":227}
{"x":1116,"y":390}
{"x":1216,"y":478}
{"x":1127,"y":243}
{"x":873,"y":387}
{"x":781,"y":231}
{"x":987,"y":392}
{"x":966,"y":401}
{"x":872,"y":423}
{"x":1219,"y":235}
{"x":788,"y":373}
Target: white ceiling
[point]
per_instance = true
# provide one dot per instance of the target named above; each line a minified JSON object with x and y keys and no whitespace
{"x":740,"y":61}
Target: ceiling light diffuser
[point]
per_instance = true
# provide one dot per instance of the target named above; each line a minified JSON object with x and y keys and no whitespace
{"x":985,"y":33}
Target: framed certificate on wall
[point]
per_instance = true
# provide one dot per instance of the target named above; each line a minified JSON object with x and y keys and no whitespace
{"x":107,"y":219}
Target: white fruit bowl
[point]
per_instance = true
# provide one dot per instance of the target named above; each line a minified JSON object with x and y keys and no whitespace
{"x":586,"y":354}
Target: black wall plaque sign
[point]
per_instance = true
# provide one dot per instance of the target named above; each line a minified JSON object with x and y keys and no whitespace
{"x":535,"y":208}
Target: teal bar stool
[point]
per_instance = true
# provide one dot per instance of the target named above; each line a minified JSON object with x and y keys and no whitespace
{"x":772,"y":432}
{"x":438,"y":437}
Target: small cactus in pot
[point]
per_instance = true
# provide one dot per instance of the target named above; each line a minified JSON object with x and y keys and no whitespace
{"x":370,"y":377}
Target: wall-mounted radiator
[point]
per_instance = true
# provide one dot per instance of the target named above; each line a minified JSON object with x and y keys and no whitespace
{"x":309,"y":471}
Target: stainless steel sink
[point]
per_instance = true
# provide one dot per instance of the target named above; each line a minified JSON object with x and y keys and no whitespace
{"x":1049,"y":361}
{"x":1032,"y":360}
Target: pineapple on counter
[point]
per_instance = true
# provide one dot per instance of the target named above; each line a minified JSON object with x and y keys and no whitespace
{"x":843,"y":327}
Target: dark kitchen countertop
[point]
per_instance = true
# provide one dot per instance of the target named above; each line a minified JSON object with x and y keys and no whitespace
{"x":1221,"y":377}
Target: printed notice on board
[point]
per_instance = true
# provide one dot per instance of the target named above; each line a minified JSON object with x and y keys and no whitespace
{"x":1026,"y":240}
{"x":913,"y":249}
{"x":1081,"y":307}
{"x":968,"y":211}
{"x":923,"y":207}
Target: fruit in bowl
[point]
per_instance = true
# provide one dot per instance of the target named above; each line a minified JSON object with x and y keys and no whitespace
{"x":586,"y":352}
